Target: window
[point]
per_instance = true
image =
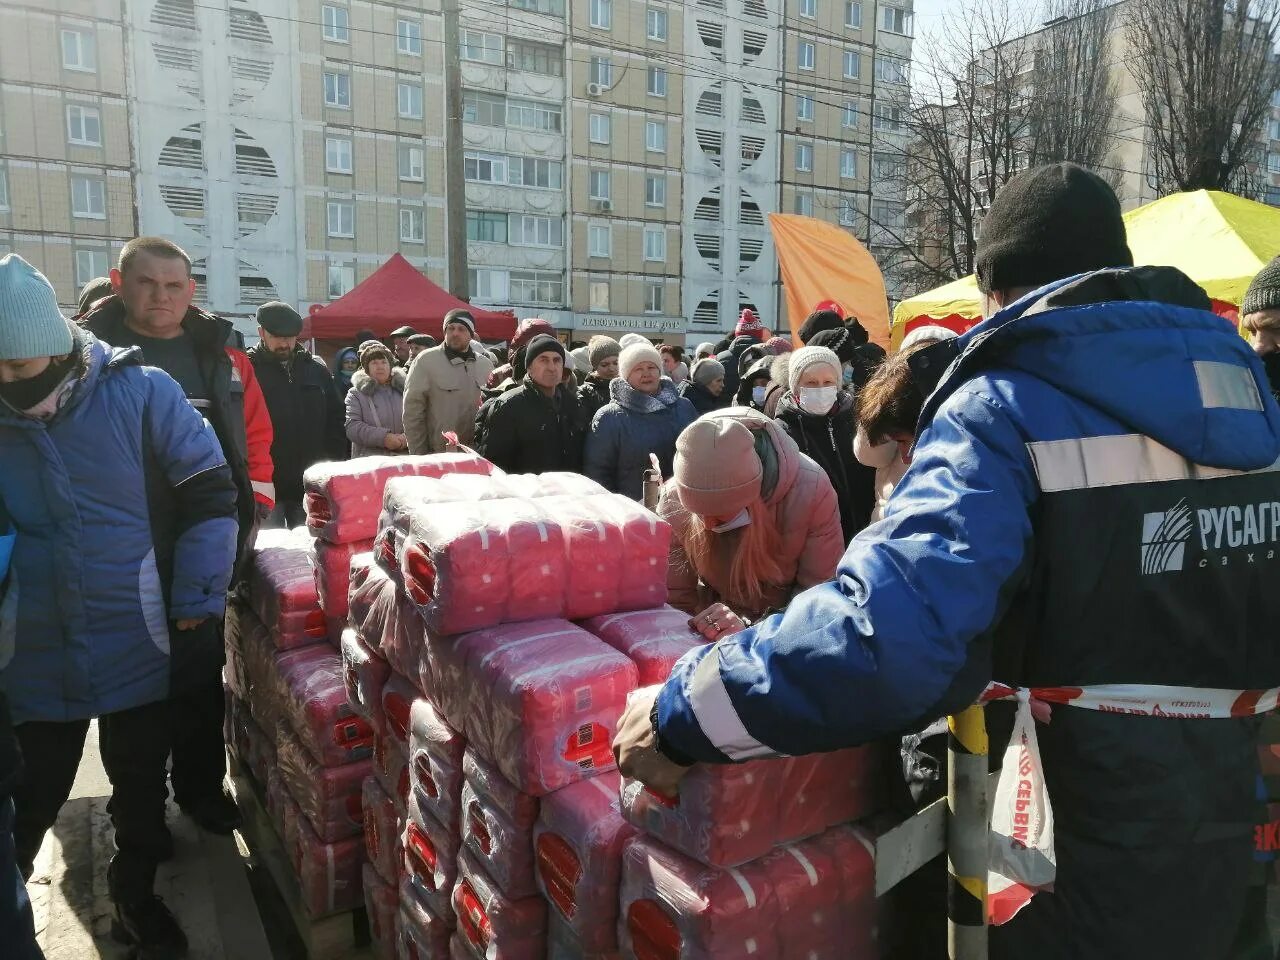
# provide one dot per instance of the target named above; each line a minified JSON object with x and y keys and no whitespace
{"x":89,"y":198}
{"x":804,"y":204}
{"x":342,"y":277}
{"x":653,"y":298}
{"x":488,"y":109}
{"x":655,"y":244}
{"x":484,"y":167}
{"x":337,"y":26}
{"x":409,"y":37}
{"x":848,"y":163}
{"x":413,"y":225}
{"x":553,"y":7}
{"x":337,"y":90}
{"x":4,"y":188}
{"x":600,"y":128}
{"x":804,"y":107}
{"x":528,"y":230}
{"x":536,"y":286}
{"x":657,"y":82}
{"x":598,"y":295}
{"x":890,"y":167}
{"x":1272,"y":196}
{"x":804,"y":55}
{"x":483,"y":227}
{"x":337,"y":155}
{"x":853,"y":14}
{"x":599,"y":185}
{"x":655,"y":190}
{"x":1273,"y":162}
{"x":655,"y":136}
{"x":852,"y":64}
{"x":78,"y":51}
{"x":849,"y":116}
{"x":809,"y":8}
{"x":84,"y":126}
{"x":602,"y":14}
{"x":1274,"y":127}
{"x":848,"y":212}
{"x":487,"y":284}
{"x":602,"y":71}
{"x":411,"y":165}
{"x":896,"y":20}
{"x":599,"y":240}
{"x":536,"y":172}
{"x":529,"y":115}
{"x":409,"y":100}
{"x":481,"y":47}
{"x":891,"y":69}
{"x":888,"y":213}
{"x":887,"y":117}
{"x":342,"y":218}
{"x":89,"y":265}
{"x":656,"y":24}
{"x":804,"y":157}
{"x":535,"y":58}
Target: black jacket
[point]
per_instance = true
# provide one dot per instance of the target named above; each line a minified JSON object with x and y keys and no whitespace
{"x":307,"y":414}
{"x":829,"y":441}
{"x":701,"y":397}
{"x":729,"y":360}
{"x":592,"y":395}
{"x":523,"y":431}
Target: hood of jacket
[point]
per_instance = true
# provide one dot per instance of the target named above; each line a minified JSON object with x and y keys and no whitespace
{"x":629,"y":398}
{"x":341,"y":356}
{"x":367,"y":385}
{"x":106,"y":322}
{"x":96,"y":357}
{"x":1138,"y":344}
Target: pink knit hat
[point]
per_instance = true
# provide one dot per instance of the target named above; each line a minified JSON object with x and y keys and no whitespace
{"x":717,"y":469}
{"x":779,"y":345}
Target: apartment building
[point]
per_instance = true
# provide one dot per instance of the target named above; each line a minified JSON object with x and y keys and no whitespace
{"x":66,"y":186}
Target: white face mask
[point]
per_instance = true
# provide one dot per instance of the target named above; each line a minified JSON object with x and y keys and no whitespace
{"x":743,"y":519}
{"x":818,"y":400}
{"x":758,"y":394}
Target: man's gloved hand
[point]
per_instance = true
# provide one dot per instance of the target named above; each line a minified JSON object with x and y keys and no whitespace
{"x":635,"y":748}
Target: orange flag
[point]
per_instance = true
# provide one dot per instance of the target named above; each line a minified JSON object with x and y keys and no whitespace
{"x":819,"y":261}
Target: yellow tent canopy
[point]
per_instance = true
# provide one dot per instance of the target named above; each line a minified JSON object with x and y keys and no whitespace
{"x":1217,"y":239}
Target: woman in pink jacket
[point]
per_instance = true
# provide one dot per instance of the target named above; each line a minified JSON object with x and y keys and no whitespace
{"x":754,"y":521}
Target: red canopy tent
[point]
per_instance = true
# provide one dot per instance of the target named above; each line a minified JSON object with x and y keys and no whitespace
{"x":396,"y":295}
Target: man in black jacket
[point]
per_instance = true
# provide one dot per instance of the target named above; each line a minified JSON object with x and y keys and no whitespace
{"x":536,"y":427}
{"x":305,"y":408}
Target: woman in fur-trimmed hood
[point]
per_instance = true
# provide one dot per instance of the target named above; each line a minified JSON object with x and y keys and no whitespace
{"x":375,"y":404}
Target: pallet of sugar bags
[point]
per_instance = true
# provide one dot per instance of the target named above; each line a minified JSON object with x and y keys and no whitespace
{"x":314,"y":702}
{"x":382,"y":832}
{"x":653,"y":639}
{"x":329,"y":797}
{"x":282,"y":588}
{"x":435,"y":764}
{"x":331,"y":563}
{"x":430,"y":860}
{"x":422,"y":934}
{"x":381,"y":904}
{"x":330,"y":875}
{"x":364,"y":673}
{"x":492,"y":926}
{"x":387,"y":621}
{"x":497,"y":827}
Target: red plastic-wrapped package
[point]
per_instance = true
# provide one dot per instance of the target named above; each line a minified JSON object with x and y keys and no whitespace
{"x":492,"y":926}
{"x":653,"y":639}
{"x":364,"y":675}
{"x":563,"y":945}
{"x":291,"y":819}
{"x":520,"y":808}
{"x":504,"y":850}
{"x":329,"y":797}
{"x":391,"y":768}
{"x":381,"y":903}
{"x":422,"y":934}
{"x":329,"y":874}
{"x":578,"y":842}
{"x":540,"y":700}
{"x":316,"y":707}
{"x":257,"y":669}
{"x":343,"y":499}
{"x":435,"y":763}
{"x":282,"y":588}
{"x":642,"y":580}
{"x":814,"y":900}
{"x":255,"y":749}
{"x":382,"y":831}
{"x":239,"y":622}
{"x":398,"y":696}
{"x":332,"y":565}
{"x":387,"y":621}
{"x":727,"y":815}
{"x":430,"y":860}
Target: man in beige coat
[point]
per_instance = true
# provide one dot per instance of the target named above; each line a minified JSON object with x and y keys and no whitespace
{"x":442,"y":392}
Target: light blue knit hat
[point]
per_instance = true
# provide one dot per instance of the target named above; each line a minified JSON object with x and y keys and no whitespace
{"x":31,"y":325}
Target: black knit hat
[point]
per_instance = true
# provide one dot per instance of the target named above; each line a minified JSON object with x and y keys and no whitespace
{"x":840,"y":342}
{"x":1048,"y":223}
{"x":817,"y":322}
{"x":1264,"y":290}
{"x":279,"y":319}
{"x":542,"y":344}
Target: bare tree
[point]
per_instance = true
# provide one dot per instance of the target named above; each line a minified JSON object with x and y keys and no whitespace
{"x":1206,"y":70}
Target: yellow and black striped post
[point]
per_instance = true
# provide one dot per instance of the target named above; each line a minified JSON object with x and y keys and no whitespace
{"x":967,"y":826}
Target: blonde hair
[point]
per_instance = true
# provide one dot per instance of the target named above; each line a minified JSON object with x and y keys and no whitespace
{"x":753,"y":567}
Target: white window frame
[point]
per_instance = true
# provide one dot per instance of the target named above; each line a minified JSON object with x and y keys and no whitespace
{"x":95,"y":200}
{"x":804,"y":151}
{"x":85,"y":59}
{"x":804,"y":108}
{"x":652,"y":303}
{"x":79,"y":119}
{"x":599,"y":240}
{"x":600,"y":128}
{"x":534,"y":115}
{"x":900,"y":213}
{"x":853,"y":14}
{"x":409,"y":38}
{"x":338,"y":88}
{"x":656,"y":82}
{"x":596,"y":178}
{"x":657,"y":197}
{"x":804,"y":204}
{"x":517,"y":166}
{"x":809,"y":9}
{"x":848,"y":163}
{"x":1273,"y":162}
{"x":658,"y":237}
{"x":889,"y":17}
{"x":524,"y":225}
{"x":655,"y":131}
{"x":4,"y":187}
{"x":497,"y":164}
{"x":482,"y":42}
{"x":854,"y":58}
{"x":413,"y":225}
{"x":345,"y":273}
{"x":881,"y":122}
{"x":91,"y":271}
{"x":806,"y":53}
{"x":598,"y":295}
{"x":519,"y":281}
{"x":335,"y":23}
{"x":848,"y":215}
{"x":333,"y":154}
{"x":408,"y":107}
{"x":601,"y":71}
{"x":601,"y":14}
{"x":891,"y":69}
{"x":849,"y":115}
{"x":657,"y":24}
{"x":340,"y":219}
{"x":415,"y":171}
{"x":488,"y":284}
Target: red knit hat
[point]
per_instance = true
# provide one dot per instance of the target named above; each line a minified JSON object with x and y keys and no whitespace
{"x":749,"y":325}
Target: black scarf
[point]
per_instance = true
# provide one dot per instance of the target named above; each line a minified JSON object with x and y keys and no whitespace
{"x":464,"y":355}
{"x":24,"y":394}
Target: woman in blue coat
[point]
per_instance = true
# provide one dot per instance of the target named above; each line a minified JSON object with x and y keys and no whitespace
{"x":124,"y":511}
{"x":645,"y":416}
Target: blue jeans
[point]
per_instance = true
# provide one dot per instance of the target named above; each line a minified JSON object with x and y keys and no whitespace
{"x":17,"y":929}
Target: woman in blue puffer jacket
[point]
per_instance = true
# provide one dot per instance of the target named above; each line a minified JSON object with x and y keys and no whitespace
{"x":645,"y":416}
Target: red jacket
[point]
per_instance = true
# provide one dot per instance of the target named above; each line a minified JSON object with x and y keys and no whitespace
{"x":258,"y":433}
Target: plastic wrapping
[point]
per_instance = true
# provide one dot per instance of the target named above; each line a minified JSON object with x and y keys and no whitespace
{"x":563,"y":945}
{"x":435,"y":764}
{"x":430,"y":860}
{"x":387,"y":621}
{"x":329,"y":874}
{"x":653,"y":639}
{"x":237,"y":621}
{"x":540,"y":700}
{"x":475,"y":565}
{"x":251,"y":661}
{"x":331,"y":563}
{"x":391,"y":768}
{"x":814,"y":900}
{"x":277,"y":799}
{"x":398,"y":697}
{"x":282,"y":588}
{"x":381,"y":903}
{"x":315,"y":704}
{"x":329,"y":797}
{"x":578,"y":843}
{"x":727,"y":815}
{"x":403,"y":496}
{"x":422,"y":935}
{"x":343,"y":499}
{"x":364,"y":675}
{"x":492,"y":926}
{"x":253,"y":746}
{"x":504,"y":850}
{"x":382,"y":832}
{"x":498,"y":792}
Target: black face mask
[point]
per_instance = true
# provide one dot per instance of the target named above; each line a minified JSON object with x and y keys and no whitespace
{"x":1272,"y":362}
{"x":25,"y":394}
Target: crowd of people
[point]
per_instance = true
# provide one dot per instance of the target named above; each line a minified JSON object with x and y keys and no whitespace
{"x":865,"y":541}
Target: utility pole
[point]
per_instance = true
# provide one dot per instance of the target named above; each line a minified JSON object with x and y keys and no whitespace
{"x":455,"y":192}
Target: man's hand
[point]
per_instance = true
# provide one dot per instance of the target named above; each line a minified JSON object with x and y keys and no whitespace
{"x":717,"y":621}
{"x":190,"y":624}
{"x":635,"y":748}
